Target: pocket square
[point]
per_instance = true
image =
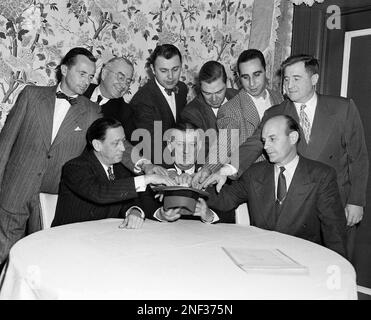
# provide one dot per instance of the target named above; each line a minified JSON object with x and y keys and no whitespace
{"x":78,"y":129}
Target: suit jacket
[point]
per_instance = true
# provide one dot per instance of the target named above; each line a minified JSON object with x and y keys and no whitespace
{"x":117,"y":109}
{"x":337,"y":139}
{"x":29,"y":162}
{"x":200,"y":114}
{"x":311,"y":210}
{"x":239,"y":113}
{"x":86,"y":193}
{"x":149,"y":105}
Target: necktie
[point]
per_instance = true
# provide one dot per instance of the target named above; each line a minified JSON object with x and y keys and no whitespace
{"x":111,"y":175}
{"x":61,"y":95}
{"x":170,"y":91}
{"x":99,"y":99}
{"x":304,"y":122}
{"x":281,"y":186}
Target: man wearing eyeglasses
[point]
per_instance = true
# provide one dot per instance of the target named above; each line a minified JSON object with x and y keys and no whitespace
{"x":116,"y":77}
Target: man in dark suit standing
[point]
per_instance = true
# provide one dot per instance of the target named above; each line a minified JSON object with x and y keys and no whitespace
{"x":96,"y":185}
{"x":203,"y":109}
{"x":45,"y":128}
{"x":289,"y":194}
{"x":332,"y":133}
{"x":158,"y":104}
{"x":115,"y":79}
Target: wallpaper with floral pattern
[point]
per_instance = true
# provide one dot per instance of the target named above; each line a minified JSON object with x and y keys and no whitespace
{"x":35,"y":34}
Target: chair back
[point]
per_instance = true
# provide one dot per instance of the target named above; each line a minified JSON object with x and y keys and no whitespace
{"x":48,"y":204}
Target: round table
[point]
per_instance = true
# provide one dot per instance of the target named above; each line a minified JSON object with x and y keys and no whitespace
{"x":180,"y":260}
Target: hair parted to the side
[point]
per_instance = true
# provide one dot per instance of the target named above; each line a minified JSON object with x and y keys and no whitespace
{"x":165,"y":50}
{"x":97,"y":130}
{"x":311,"y":63}
{"x":248,"y":55}
{"x":70,"y":58}
{"x":211,"y":71}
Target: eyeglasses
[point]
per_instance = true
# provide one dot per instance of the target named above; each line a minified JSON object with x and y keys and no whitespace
{"x":121,"y":77}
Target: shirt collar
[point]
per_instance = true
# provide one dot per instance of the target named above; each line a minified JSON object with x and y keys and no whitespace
{"x":191,"y":170}
{"x":60,"y":89}
{"x":95,"y":95}
{"x":310,"y":104}
{"x":163,"y":89}
{"x":291,"y":166}
{"x":265,"y":95}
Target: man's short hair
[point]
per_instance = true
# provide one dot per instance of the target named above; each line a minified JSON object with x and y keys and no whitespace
{"x":98,"y":130}
{"x":311,"y":63}
{"x":291,"y":125}
{"x":211,"y":71}
{"x":165,"y":50}
{"x":70,"y":59}
{"x":248,"y":55}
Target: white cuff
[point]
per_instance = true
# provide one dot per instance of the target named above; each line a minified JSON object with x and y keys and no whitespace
{"x":140,"y":184}
{"x":139,"y":164}
{"x":228,"y":170}
{"x":157,"y":215}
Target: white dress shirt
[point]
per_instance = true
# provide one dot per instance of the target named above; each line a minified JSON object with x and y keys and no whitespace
{"x":288,"y":173}
{"x":262,"y":103}
{"x":95,"y":94}
{"x":310,"y":108}
{"x":216,"y":110}
{"x":170,"y":99}
{"x":60,"y":111}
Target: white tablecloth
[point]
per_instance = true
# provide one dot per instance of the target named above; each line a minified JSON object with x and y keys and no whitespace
{"x":180,"y":260}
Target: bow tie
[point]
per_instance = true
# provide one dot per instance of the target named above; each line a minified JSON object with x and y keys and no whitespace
{"x":170,"y":91}
{"x":61,"y":95}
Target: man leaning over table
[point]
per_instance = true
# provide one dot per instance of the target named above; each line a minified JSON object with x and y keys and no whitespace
{"x":289,"y":193}
{"x":184,"y":144}
{"x":96,"y":185}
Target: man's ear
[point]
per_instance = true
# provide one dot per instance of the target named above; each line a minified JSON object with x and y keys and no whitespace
{"x":64,"y":69}
{"x":294,"y":136}
{"x":314,"y":78}
{"x":97,"y":145}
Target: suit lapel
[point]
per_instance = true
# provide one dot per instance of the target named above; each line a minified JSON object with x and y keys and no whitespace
{"x":299,"y":189}
{"x":322,"y":126}
{"x":161,"y":100}
{"x":265,"y":190}
{"x":70,"y":122}
{"x":45,"y":112}
{"x":249,"y":111}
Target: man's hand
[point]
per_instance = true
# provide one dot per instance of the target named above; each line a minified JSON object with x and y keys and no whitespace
{"x":200,"y":177}
{"x":184,"y":180}
{"x":158,"y":179}
{"x":150,"y":168}
{"x":203,"y":211}
{"x":354,"y":214}
{"x":215,"y":178}
{"x":133,"y":220}
{"x":169,"y":215}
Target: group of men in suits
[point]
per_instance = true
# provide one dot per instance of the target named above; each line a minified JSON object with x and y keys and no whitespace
{"x":47,"y":127}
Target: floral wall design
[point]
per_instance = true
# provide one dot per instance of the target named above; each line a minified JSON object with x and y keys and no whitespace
{"x":36,"y":34}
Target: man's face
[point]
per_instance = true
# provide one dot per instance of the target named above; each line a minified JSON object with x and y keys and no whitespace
{"x":279,"y":146}
{"x":298,"y":83}
{"x":214,"y":92}
{"x":185,"y":146}
{"x":77,"y":78}
{"x":111,"y":149}
{"x":116,"y":79}
{"x":253,"y":78}
{"x":167,"y":71}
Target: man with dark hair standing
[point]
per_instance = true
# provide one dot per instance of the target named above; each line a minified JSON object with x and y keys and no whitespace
{"x":161,"y":99}
{"x":45,"y":128}
{"x":332,"y":133}
{"x":203,"y":109}
{"x":289,"y":194}
{"x":95,"y":185}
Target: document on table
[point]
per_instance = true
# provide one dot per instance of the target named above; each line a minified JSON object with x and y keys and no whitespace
{"x":264,"y":260}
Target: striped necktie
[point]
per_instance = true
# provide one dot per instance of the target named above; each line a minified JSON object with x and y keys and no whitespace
{"x":111,"y":175}
{"x":304,"y":122}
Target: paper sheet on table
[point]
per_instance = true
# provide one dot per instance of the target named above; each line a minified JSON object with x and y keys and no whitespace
{"x":264,"y":260}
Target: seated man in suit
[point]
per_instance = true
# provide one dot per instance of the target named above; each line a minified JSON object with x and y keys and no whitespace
{"x":289,"y":194}
{"x":115,"y":79}
{"x":184,"y":144}
{"x":158,"y":104}
{"x":96,"y":185}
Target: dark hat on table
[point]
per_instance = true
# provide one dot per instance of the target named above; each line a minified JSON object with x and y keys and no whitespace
{"x":181,"y":197}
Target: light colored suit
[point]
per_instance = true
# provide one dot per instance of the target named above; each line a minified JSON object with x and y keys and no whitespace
{"x":29,"y":162}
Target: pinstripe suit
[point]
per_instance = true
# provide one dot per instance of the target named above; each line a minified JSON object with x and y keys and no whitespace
{"x":29,"y":162}
{"x":240,"y":113}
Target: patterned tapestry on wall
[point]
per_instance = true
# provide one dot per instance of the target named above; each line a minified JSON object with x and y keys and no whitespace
{"x":35,"y":34}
